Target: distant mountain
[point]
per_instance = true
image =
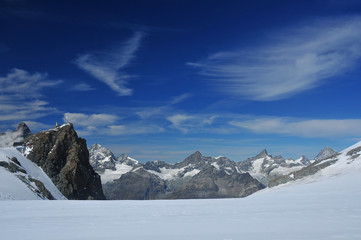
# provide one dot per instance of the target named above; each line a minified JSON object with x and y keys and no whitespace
{"x":23,"y":180}
{"x":126,"y":178}
{"x":325,"y":153}
{"x":23,"y":130}
{"x":107,"y":165}
{"x":16,"y":137}
{"x":213,"y":183}
{"x":195,"y":174}
{"x":138,"y":184}
{"x":265,"y":167}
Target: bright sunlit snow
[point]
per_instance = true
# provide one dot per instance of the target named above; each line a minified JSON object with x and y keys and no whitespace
{"x":11,"y":187}
{"x":327,"y":209}
{"x":324,"y":206}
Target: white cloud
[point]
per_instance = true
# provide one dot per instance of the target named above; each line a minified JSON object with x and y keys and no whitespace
{"x":82,"y":87}
{"x":186,"y":122}
{"x":105,"y":124}
{"x":38,"y":126}
{"x":133,"y":129}
{"x":291,"y":62}
{"x":8,"y":138}
{"x":90,"y":120}
{"x":18,"y":81}
{"x":21,"y":93}
{"x":163,"y":110}
{"x":108,"y":67}
{"x":303,"y":128}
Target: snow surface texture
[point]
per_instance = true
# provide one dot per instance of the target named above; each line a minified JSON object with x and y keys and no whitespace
{"x":12,"y":187}
{"x":319,"y":207}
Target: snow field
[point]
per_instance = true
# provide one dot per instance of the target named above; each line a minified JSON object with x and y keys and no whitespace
{"x":328,"y":208}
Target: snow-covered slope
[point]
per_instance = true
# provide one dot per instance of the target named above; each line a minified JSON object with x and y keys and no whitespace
{"x":22,"y":179}
{"x":345,"y":161}
{"x":320,"y":207}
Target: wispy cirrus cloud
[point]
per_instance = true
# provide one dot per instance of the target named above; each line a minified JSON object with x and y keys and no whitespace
{"x":185,"y":122}
{"x":164,"y":109}
{"x":108,"y":124}
{"x":82,"y":119}
{"x":82,"y":87}
{"x":292,"y":61}
{"x":133,"y":129}
{"x":311,"y":128}
{"x":18,"y":81}
{"x":21,"y":95}
{"x":108,"y":66}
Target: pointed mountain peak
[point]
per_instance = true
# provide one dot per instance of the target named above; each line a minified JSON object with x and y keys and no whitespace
{"x":262,"y":154}
{"x":304,"y":160}
{"x":96,"y":146}
{"x":197,"y":154}
{"x":194,"y":158}
{"x":326,"y":152}
{"x":23,"y":129}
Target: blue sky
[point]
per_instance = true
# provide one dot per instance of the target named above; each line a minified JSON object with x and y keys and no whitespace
{"x":162,"y":79}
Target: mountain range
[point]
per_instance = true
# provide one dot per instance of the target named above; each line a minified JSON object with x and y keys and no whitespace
{"x":56,"y":164}
{"x":197,"y":176}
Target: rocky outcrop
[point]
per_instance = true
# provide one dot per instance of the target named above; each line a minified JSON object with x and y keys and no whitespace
{"x":64,"y":157}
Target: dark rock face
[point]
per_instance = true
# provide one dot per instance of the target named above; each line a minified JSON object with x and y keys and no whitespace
{"x":64,"y":157}
{"x":42,"y":189}
{"x":12,"y":167}
{"x":196,"y":159}
{"x":213,"y":183}
{"x":156,"y":165}
{"x":15,"y":167}
{"x":137,"y":185}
